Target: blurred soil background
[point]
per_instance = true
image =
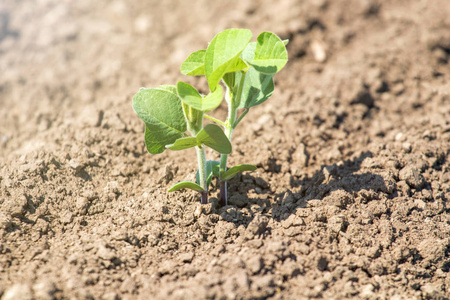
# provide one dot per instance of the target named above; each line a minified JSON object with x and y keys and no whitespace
{"x":351,"y":196}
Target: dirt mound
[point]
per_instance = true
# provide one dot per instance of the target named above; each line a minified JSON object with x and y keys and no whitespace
{"x":350,"y":198}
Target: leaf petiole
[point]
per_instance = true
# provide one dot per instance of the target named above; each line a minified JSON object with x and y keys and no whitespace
{"x":236,"y":123}
{"x":215,"y":120}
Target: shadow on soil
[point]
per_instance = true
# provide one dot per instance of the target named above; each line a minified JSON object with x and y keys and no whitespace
{"x":329,"y":178}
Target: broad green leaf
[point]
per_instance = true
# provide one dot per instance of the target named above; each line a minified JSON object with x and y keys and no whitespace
{"x":186,"y":185}
{"x":168,"y":88}
{"x":195,"y":64}
{"x":268,"y":55}
{"x":190,"y":96}
{"x":214,"y":137}
{"x":258,"y":87}
{"x":213,"y":99}
{"x":248,"y":54}
{"x":183,"y":143}
{"x":238,"y":65}
{"x":212,"y":169}
{"x":162,"y":113}
{"x":222,"y":54}
{"x":235,"y":170}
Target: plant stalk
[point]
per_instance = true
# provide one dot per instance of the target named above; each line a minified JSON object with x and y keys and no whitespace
{"x":194,"y":122}
{"x":201,"y":157}
{"x":233,"y":105}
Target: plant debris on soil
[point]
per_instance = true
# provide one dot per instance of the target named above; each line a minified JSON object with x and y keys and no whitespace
{"x":351,"y":195}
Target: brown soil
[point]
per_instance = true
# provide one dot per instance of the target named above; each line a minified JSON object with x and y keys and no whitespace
{"x":351,"y":195}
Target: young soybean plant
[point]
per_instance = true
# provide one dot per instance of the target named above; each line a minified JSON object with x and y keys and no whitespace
{"x":174,"y":115}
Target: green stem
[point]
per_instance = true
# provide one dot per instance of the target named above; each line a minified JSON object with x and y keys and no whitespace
{"x":233,"y":105}
{"x":201,"y":157}
{"x":194,"y":122}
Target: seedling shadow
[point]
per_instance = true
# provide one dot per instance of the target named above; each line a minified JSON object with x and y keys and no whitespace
{"x":281,"y":205}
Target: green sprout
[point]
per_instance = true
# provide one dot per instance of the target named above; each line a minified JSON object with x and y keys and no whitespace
{"x":174,"y":115}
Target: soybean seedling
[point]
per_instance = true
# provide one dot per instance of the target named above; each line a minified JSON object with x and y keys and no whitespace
{"x":174,"y":115}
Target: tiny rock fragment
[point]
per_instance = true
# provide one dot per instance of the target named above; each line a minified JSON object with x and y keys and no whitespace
{"x":15,"y":206}
{"x":292,"y":221}
{"x":187,"y":257}
{"x":433,"y":250}
{"x":257,"y":226}
{"x":301,"y":155}
{"x":44,"y":290}
{"x":363,"y":96}
{"x":76,"y":165}
{"x":5,"y":220}
{"x":112,"y":186}
{"x":128,"y":285}
{"x":91,"y":116}
{"x":264,"y":285}
{"x":406,"y":146}
{"x":89,"y":194}
{"x":167,"y":173}
{"x":120,"y":235}
{"x":368,"y":291}
{"x":431,"y":291}
{"x":198,"y":211}
{"x":264,"y":120}
{"x":238,"y":200}
{"x":42,"y":225}
{"x":82,"y":204}
{"x":18,"y":291}
{"x":318,"y":50}
{"x":336,"y":223}
{"x":279,"y":249}
{"x":112,"y":190}
{"x":142,"y":23}
{"x":66,"y":217}
{"x":105,"y":253}
{"x":322,"y":263}
{"x":255,"y":264}
{"x":112,"y":119}
{"x":412,"y":176}
{"x":111,"y":296}
{"x":290,"y":269}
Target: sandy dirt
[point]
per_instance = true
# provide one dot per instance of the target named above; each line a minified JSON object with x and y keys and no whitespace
{"x":351,"y":195}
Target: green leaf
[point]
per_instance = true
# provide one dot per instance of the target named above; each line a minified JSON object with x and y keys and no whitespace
{"x":230,"y":79}
{"x":190,"y":96}
{"x":238,"y":65}
{"x":212,"y":169}
{"x":268,"y":55}
{"x":162,"y":113}
{"x":195,"y":64}
{"x":258,"y":87}
{"x":222,"y":54}
{"x":213,"y":99}
{"x":235,"y":170}
{"x":183,"y":143}
{"x":248,"y":54}
{"x":212,"y":136}
{"x":285,"y":42}
{"x":186,"y":185}
{"x":168,"y":88}
{"x":215,"y":166}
